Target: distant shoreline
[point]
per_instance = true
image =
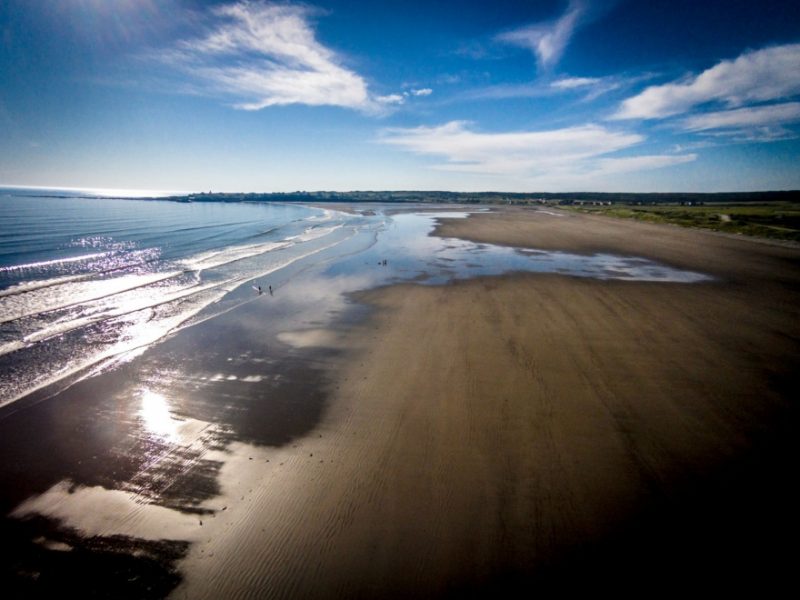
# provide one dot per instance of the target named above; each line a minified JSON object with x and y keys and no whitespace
{"x":773,"y":215}
{"x":533,"y":198}
{"x":436,"y":196}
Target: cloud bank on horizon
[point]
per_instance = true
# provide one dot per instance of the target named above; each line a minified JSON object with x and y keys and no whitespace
{"x":590,"y":114}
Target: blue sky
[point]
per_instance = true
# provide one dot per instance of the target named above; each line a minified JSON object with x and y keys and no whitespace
{"x":568,"y":95}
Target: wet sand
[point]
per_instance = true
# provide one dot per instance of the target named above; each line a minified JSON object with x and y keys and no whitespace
{"x":538,"y":433}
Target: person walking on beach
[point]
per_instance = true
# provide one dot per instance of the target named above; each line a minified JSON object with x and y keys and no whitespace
{"x":270,"y":290}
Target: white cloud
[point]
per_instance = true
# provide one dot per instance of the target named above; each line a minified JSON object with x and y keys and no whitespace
{"x":741,"y":118}
{"x":548,"y":40}
{"x":593,"y":87}
{"x":267,"y":54}
{"x":753,"y":134}
{"x":397,"y":99}
{"x":560,"y":154}
{"x":758,"y":76}
{"x":391,"y":99}
{"x":568,"y":83}
{"x":587,"y":88}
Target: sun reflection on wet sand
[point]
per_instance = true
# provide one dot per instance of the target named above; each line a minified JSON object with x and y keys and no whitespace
{"x":155,"y":415}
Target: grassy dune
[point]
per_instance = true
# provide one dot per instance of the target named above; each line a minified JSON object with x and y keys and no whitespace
{"x":774,"y":220}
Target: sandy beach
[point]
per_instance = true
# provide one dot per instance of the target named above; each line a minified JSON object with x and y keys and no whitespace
{"x":537,"y":433}
{"x":586,"y":423}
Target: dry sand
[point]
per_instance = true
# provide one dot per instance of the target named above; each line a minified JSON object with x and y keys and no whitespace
{"x":539,"y":431}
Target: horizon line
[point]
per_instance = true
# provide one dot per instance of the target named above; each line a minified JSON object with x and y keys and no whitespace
{"x":154,"y":193}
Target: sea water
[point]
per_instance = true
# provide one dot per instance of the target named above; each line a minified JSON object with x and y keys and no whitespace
{"x":85,"y":281}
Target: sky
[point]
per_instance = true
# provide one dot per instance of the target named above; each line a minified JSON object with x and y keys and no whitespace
{"x":550,"y":95}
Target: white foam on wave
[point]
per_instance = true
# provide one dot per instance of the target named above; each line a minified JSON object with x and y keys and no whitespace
{"x":29,"y":286}
{"x":218,"y":258}
{"x":109,"y":311}
{"x":312,"y":233}
{"x":141,"y":330}
{"x":326,"y":215}
{"x":12,"y":346}
{"x":36,"y":297}
{"x":41,"y":300}
{"x":104,"y":263}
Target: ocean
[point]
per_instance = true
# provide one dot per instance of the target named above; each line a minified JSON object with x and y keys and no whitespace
{"x":86,"y":282}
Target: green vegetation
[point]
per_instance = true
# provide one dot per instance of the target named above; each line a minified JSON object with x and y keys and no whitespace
{"x":531,"y":198}
{"x":776,"y":220}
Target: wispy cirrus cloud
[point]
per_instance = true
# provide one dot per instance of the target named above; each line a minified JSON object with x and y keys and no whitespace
{"x":503,"y":91}
{"x":741,"y":118}
{"x":263,"y":54}
{"x":593,"y":87}
{"x":754,"y":77}
{"x":570,"y":83}
{"x":572,"y":152}
{"x":548,"y":40}
{"x":586,"y":88}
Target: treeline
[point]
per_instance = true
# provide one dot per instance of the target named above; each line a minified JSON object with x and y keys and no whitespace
{"x":496,"y":197}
